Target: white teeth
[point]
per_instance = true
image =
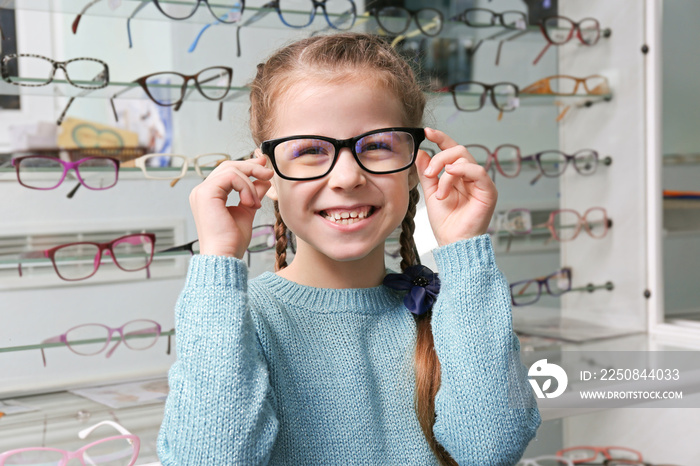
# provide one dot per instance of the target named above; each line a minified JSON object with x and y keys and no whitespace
{"x":346,"y":218}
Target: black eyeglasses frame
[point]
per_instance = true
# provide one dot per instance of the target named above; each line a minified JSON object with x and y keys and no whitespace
{"x":268,"y":148}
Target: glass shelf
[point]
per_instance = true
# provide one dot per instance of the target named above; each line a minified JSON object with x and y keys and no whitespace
{"x":9,"y":349}
{"x":258,"y":17}
{"x":62,"y":88}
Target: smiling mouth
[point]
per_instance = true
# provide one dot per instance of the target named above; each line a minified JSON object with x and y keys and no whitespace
{"x":347,"y":217}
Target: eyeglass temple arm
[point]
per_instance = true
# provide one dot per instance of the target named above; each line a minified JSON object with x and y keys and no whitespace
{"x":128,"y":20}
{"x":74,"y":27}
{"x":170,"y":334}
{"x":508,"y":39}
{"x":99,"y":76}
{"x":260,"y":14}
{"x":29,"y":255}
{"x":48,"y":340}
{"x":546,"y":47}
{"x":219,"y":20}
{"x":117,"y":94}
{"x":85,"y":432}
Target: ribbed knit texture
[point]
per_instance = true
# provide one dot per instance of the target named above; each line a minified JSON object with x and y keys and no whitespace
{"x":272,"y":372}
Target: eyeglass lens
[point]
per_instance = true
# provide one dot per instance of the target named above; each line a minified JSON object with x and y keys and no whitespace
{"x":42,"y":172}
{"x":76,"y":261}
{"x":300,"y":13}
{"x":471,"y":96}
{"x":83,"y":73}
{"x":378,"y":152}
{"x":396,"y":20}
{"x":227,"y":11}
{"x":560,"y":30}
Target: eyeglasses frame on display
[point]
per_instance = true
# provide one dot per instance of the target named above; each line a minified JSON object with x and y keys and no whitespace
{"x":185,"y":90}
{"x":537,"y":159}
{"x":103,"y":75}
{"x":132,"y":439}
{"x":605,"y":451}
{"x":582,"y":222}
{"x":488,"y":89}
{"x":268,"y":149}
{"x":67,"y":166}
{"x":492,"y":159}
{"x":462,"y":18}
{"x":412,"y":15}
{"x":106,"y":246}
{"x":63,"y":338}
{"x":140,"y":162}
{"x":540,"y":281}
{"x":576,"y":27}
{"x":274,"y":6}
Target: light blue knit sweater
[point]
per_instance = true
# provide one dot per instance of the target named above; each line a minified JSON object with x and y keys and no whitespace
{"x":273,"y":372}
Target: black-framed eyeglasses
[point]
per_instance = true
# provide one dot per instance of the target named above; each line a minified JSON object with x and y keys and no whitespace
{"x":307,"y":157}
{"x":169,"y":88}
{"x":396,"y":19}
{"x":470,"y":96}
{"x":483,"y":18}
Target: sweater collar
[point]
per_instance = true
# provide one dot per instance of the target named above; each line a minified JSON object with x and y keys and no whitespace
{"x":373,"y":300}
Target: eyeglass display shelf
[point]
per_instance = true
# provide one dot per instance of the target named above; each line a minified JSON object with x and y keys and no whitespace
{"x":57,"y":418}
{"x":40,"y":346}
{"x":452,"y":28}
{"x":62,"y":88}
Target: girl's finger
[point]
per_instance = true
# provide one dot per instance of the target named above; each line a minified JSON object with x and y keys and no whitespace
{"x":451,"y":155}
{"x":472,"y":173}
{"x":442,"y":140}
{"x":429,"y":184}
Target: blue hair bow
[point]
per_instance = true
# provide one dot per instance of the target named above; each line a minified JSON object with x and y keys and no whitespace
{"x":422,"y":285}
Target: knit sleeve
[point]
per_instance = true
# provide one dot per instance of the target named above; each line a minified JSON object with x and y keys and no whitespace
{"x":219,"y":409}
{"x":485,"y":411}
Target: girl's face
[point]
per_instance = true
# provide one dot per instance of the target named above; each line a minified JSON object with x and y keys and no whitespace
{"x":341,"y":111}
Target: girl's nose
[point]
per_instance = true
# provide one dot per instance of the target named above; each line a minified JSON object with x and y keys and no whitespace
{"x":347,"y":173}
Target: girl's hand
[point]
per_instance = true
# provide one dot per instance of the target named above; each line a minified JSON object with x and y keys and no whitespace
{"x":461,"y":202}
{"x":226,"y":230}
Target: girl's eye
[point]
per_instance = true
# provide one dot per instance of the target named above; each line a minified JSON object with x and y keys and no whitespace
{"x":375,"y":145}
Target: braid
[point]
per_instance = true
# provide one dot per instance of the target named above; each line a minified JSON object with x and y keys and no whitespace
{"x":280,"y":240}
{"x":408,"y":245}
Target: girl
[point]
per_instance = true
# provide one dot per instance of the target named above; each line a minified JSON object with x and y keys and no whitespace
{"x":319,"y":363}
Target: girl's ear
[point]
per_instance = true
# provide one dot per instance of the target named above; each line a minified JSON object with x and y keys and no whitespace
{"x":272,"y":192}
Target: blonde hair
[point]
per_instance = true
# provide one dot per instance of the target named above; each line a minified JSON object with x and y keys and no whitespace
{"x":332,"y":59}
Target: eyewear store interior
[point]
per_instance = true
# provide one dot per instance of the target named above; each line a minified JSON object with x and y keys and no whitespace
{"x":589,"y":132}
